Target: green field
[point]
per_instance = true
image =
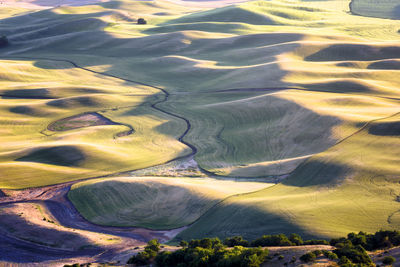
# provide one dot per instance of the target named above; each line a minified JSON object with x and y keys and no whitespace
{"x":299,"y":89}
{"x":157,"y":203}
{"x":350,"y":187}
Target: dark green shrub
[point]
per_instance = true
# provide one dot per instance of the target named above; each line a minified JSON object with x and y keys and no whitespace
{"x":308,"y":257}
{"x":388,"y":260}
{"x":296,"y":239}
{"x":217,"y":256}
{"x":147,"y":256}
{"x":343,"y":260}
{"x":330,"y":255}
{"x":317,"y":252}
{"x":356,"y":254}
{"x":316,"y":242}
{"x":381,"y":239}
{"x":184,"y":244}
{"x":236,"y":241}
{"x":204,"y":243}
{"x":272,"y":240}
{"x":281,"y":257}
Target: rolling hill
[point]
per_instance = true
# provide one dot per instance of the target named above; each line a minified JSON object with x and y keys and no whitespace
{"x":303,"y":92}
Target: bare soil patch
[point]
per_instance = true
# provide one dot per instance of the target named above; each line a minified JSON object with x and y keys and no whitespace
{"x":80,"y":121}
{"x":41,"y":225}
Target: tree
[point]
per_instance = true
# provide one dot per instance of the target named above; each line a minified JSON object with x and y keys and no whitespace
{"x":146,"y":256}
{"x":356,"y":254}
{"x":183,"y":244}
{"x":344,"y":260}
{"x":296,"y":239}
{"x":141,"y":21}
{"x":272,"y":240}
{"x":308,"y":257}
{"x":236,"y":241}
{"x":153,"y":245}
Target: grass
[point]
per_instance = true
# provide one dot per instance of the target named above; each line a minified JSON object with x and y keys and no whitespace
{"x":34,"y":156}
{"x":350,"y":187}
{"x":322,"y":74}
{"x":157,"y":203}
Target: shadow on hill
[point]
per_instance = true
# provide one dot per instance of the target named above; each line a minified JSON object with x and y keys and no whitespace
{"x":27,"y":93}
{"x":316,"y":173}
{"x":58,"y":155}
{"x":357,"y":52}
{"x":231,"y":218}
{"x":385,"y":65}
{"x":385,"y":129}
{"x":396,"y":12}
{"x":340,"y":86}
{"x":42,"y":242}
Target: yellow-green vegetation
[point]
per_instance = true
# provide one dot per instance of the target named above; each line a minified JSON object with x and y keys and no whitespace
{"x":388,"y":9}
{"x":157,"y":203}
{"x":350,"y":187}
{"x":35,"y":97}
{"x":268,"y":88}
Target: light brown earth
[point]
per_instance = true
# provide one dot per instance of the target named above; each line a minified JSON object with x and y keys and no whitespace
{"x":41,"y":225}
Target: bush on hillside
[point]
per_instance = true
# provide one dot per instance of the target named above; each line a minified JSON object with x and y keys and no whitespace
{"x":356,"y":254}
{"x":379,"y":240}
{"x":296,"y":239}
{"x":236,"y":241}
{"x":216,"y":255}
{"x":330,"y":255}
{"x":148,"y":255}
{"x":272,"y":240}
{"x":208,"y":243}
{"x":344,"y":261}
{"x":316,"y":242}
{"x":308,"y":257}
{"x":184,"y":244}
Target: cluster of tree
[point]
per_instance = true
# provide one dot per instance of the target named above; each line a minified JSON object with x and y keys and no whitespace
{"x":351,"y":251}
{"x":381,"y":239}
{"x":273,"y":240}
{"x":203,"y":252}
{"x":148,"y":255}
{"x":3,"y":41}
